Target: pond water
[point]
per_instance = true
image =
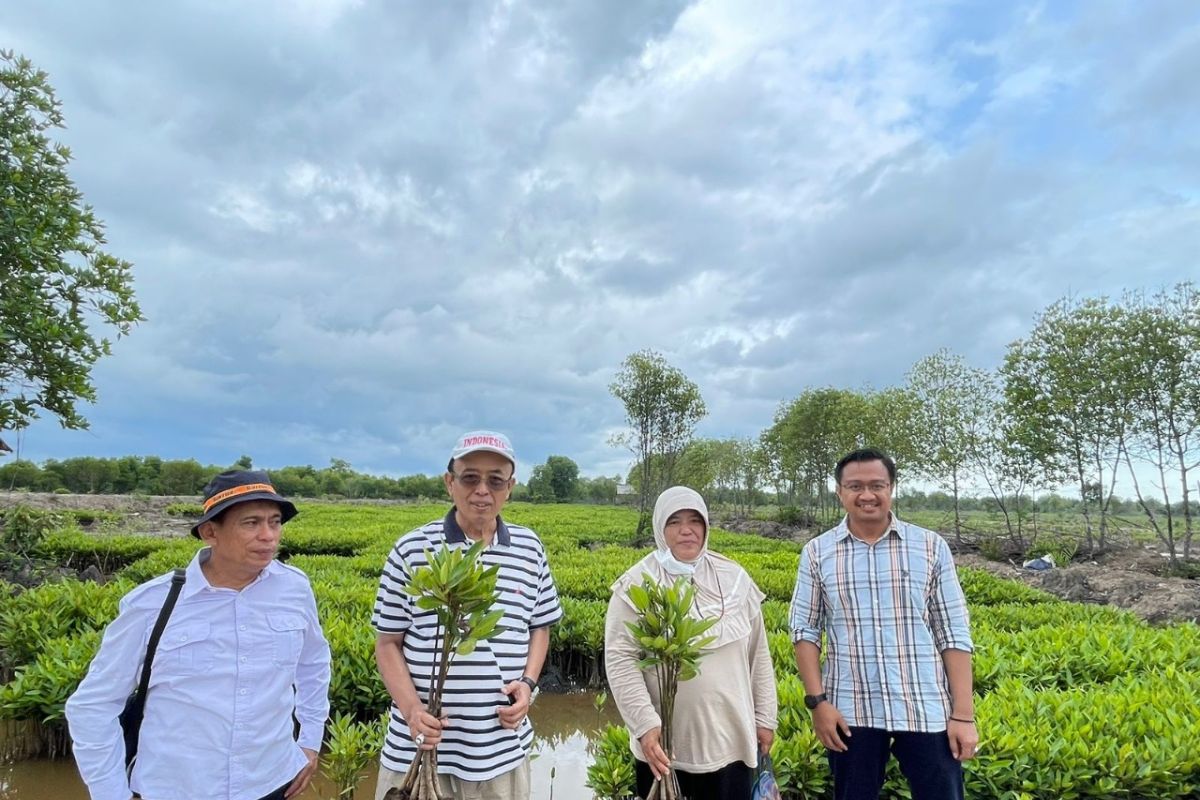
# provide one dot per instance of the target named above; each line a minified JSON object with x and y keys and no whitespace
{"x":565,"y":724}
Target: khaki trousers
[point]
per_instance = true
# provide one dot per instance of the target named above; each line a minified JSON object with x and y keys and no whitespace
{"x":512,"y":785}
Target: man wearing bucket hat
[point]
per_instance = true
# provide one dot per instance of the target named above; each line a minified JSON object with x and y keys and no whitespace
{"x":484,"y":735}
{"x":242,"y":660}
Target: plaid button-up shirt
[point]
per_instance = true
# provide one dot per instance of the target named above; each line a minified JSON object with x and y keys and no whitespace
{"x":888,"y":610}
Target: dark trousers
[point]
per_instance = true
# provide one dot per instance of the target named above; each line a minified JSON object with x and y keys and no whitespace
{"x":275,"y":795}
{"x":924,"y":758}
{"x":278,"y":793}
{"x":732,"y":782}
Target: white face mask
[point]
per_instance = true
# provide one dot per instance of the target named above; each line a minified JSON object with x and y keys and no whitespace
{"x":674,"y":566}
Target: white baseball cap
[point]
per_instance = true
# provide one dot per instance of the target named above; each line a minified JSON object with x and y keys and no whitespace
{"x":486,"y":441}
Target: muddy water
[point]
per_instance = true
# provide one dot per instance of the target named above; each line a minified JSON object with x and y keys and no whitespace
{"x":565,"y":725}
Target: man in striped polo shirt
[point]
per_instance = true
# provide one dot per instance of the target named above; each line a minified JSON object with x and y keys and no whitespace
{"x":484,"y":734}
{"x":897,"y":675}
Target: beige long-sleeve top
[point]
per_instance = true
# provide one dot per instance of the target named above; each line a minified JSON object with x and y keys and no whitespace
{"x":716,"y":712}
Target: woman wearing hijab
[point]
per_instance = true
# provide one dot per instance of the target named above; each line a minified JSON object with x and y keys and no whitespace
{"x":725,"y":715}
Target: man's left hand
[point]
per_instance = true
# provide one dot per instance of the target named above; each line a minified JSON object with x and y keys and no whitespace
{"x":964,"y":739}
{"x":304,"y":776}
{"x":511,"y":715}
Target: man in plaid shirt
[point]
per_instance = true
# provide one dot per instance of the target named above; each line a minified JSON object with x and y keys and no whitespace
{"x":897,"y":675}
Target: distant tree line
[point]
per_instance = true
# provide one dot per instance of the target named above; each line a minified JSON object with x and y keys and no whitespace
{"x":556,"y":481}
{"x":152,"y":475}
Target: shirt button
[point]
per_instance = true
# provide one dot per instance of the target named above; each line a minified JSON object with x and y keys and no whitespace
{"x":242,"y":691}
{"x":243,"y":659}
{"x":241,"y":627}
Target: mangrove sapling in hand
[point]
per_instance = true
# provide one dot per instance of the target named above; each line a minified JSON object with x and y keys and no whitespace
{"x":461,"y":593}
{"x":671,"y":642}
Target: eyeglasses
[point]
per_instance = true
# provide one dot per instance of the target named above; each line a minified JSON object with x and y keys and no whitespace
{"x":472,"y":479}
{"x":877,"y":487}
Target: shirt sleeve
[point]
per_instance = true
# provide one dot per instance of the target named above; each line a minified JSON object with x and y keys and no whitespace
{"x":547,"y":610}
{"x":762,"y":675}
{"x":624,"y":678}
{"x":949,"y":619}
{"x":92,"y":711}
{"x":807,"y":618}
{"x":393,"y":605}
{"x":312,"y":679}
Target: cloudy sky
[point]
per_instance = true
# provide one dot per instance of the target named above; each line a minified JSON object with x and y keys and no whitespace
{"x":359,"y":228}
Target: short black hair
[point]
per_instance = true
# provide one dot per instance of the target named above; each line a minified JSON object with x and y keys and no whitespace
{"x":865,"y":454}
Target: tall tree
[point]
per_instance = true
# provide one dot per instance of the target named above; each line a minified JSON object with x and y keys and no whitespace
{"x":1013,"y":462}
{"x":662,"y":407}
{"x":817,"y":428}
{"x":1161,"y":348}
{"x":953,"y":403}
{"x":1064,"y":382}
{"x":808,"y":437}
{"x":556,"y":481}
{"x":58,"y":284}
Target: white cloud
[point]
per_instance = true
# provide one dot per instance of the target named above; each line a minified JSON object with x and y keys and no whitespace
{"x":360,"y":228}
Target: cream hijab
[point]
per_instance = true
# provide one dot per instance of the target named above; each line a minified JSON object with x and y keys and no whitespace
{"x":723,"y":589}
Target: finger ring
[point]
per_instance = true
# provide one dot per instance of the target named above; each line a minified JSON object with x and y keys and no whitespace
{"x":420,"y":739}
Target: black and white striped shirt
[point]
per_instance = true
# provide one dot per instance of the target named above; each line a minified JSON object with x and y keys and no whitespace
{"x":474,"y":746}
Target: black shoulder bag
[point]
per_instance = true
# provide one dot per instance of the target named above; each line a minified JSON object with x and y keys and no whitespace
{"x":135,"y":706}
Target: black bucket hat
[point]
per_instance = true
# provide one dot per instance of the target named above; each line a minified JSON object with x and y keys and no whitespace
{"x":240,"y":486}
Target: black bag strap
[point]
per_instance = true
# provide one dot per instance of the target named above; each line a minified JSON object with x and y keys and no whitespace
{"x":160,"y":625}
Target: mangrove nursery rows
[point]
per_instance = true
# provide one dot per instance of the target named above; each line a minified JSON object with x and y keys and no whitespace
{"x":1074,"y":701}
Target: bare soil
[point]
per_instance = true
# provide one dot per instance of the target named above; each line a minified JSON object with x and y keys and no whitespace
{"x":140,"y":514}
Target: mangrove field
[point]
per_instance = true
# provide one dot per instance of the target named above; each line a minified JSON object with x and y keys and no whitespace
{"x":1074,"y":701}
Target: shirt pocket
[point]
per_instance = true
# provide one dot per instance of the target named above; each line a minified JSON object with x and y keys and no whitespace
{"x":287,"y":633}
{"x":185,"y":649}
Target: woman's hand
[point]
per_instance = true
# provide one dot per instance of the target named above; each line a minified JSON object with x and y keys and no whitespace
{"x":656,"y":757}
{"x":765,"y":737}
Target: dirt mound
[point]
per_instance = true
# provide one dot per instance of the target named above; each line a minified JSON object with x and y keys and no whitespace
{"x":142,"y":514}
{"x":1118,"y":582}
{"x":762,"y":527}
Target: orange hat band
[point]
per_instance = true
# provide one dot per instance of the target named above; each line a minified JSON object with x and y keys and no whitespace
{"x":235,"y":491}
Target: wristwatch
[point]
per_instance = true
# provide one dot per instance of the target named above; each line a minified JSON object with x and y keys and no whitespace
{"x":811,"y":701}
{"x":533,"y":687}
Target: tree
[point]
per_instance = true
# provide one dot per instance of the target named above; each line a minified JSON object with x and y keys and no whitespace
{"x":696,"y":466}
{"x":662,"y":408}
{"x":601,"y":489}
{"x":58,"y":283}
{"x":808,"y":437}
{"x":753,"y":466}
{"x":563,"y":477}
{"x":182,"y":477}
{"x":1161,"y":353}
{"x":1006,"y":457}
{"x":953,"y":403}
{"x":1063,"y":386}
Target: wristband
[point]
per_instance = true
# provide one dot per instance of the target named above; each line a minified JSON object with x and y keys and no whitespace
{"x":960,"y":719}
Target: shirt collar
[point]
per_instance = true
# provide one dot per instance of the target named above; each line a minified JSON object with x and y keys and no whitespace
{"x":196,"y":580}
{"x":454,"y":533}
{"x":894,"y":526}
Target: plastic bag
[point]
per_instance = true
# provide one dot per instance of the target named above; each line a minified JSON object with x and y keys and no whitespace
{"x":765,"y":787}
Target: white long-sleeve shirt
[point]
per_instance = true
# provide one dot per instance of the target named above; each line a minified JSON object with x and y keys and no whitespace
{"x":231,"y":668}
